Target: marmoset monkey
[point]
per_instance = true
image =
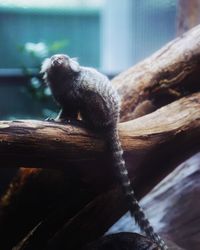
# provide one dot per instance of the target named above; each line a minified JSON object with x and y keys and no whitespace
{"x":86,"y":91}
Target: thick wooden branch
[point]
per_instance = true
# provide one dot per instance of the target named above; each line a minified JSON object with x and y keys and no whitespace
{"x":173,"y":206}
{"x":173,"y":131}
{"x":153,"y":144}
{"x":167,"y":75}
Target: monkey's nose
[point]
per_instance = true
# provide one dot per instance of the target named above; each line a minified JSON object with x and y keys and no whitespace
{"x":57,"y":62}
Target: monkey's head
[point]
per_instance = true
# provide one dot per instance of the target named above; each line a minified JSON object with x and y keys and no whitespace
{"x":60,"y":64}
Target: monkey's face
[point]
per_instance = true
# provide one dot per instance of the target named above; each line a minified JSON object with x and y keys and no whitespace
{"x":60,"y":63}
{"x":60,"y":60}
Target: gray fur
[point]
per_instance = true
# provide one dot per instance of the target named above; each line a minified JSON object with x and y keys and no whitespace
{"x":85,"y":90}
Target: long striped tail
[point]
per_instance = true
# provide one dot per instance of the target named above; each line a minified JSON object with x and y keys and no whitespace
{"x":136,"y":211}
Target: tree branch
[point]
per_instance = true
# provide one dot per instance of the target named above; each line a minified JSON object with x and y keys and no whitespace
{"x":167,"y":75}
{"x":173,"y":130}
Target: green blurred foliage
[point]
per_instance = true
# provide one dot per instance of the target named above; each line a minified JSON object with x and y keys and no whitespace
{"x":37,"y":52}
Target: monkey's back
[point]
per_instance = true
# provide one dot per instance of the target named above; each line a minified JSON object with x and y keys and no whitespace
{"x":100,"y":101}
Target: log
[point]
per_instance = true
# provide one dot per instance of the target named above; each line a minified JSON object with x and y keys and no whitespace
{"x":167,"y":75}
{"x":124,"y":241}
{"x":176,"y":204}
{"x":52,"y":145}
{"x":155,"y":143}
{"x":170,"y":206}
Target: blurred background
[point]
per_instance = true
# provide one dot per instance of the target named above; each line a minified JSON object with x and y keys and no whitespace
{"x":109,"y":35}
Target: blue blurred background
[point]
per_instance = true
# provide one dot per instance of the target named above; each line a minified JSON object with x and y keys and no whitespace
{"x":110,"y":35}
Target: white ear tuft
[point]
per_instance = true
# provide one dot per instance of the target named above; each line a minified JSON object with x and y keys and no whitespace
{"x":45,"y":65}
{"x":74,"y":65}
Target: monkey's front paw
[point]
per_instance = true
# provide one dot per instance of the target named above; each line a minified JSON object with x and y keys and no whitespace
{"x":56,"y":120}
{"x":62,"y":120}
{"x":50,"y":119}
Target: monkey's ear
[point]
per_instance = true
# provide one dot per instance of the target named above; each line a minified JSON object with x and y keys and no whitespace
{"x":74,"y":65}
{"x":45,"y":65}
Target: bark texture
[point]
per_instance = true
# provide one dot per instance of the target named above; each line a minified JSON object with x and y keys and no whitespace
{"x":171,"y":72}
